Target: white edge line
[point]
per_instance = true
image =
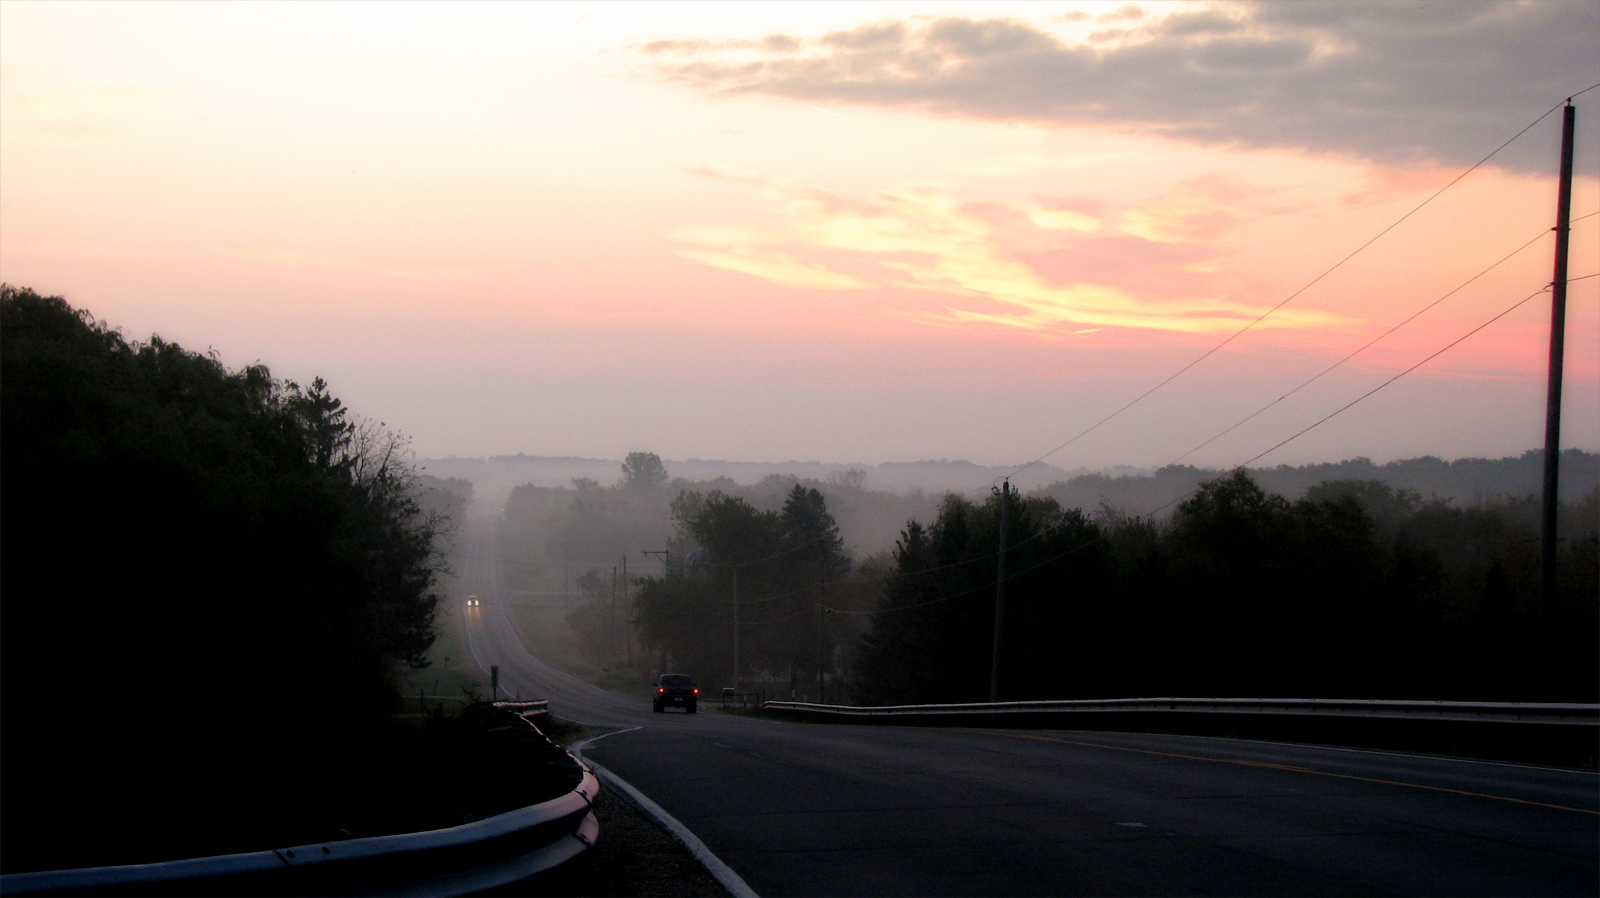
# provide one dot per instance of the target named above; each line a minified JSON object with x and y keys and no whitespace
{"x":724,"y":874}
{"x":1403,"y":754}
{"x":1307,"y":745}
{"x":583,"y":723}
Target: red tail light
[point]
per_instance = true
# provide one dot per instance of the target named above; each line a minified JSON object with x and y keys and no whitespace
{"x":697,"y":690}
{"x":661,"y":689}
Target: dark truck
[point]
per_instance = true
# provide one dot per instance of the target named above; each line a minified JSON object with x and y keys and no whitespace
{"x":676,"y":690}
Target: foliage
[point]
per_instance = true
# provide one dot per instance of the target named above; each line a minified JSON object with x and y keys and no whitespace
{"x":643,"y":470}
{"x":1357,"y":590}
{"x":776,"y":576}
{"x":552,"y":534}
{"x":176,"y":532}
{"x":1465,"y":481}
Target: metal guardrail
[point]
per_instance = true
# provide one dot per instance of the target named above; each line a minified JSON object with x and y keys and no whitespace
{"x":456,"y":860}
{"x":1482,"y":712}
{"x":526,"y":710}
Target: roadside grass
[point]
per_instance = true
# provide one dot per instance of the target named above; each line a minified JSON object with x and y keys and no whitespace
{"x":452,"y":677}
{"x":543,"y":628}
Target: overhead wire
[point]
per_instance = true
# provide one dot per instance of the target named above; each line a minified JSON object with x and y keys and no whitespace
{"x":1286,"y":300}
{"x":1331,"y":415}
{"x":1208,"y":353}
{"x":1364,"y":347}
{"x":1106,"y":534}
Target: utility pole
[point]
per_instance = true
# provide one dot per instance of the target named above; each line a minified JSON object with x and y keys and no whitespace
{"x":627,"y":605}
{"x":736,"y":628}
{"x":566,"y":601}
{"x":822,"y":619}
{"x":1552,"y":409}
{"x":494,"y":682}
{"x":613,"y":627}
{"x":1000,"y":594}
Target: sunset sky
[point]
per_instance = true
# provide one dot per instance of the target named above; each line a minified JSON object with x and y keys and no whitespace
{"x":845,"y":232}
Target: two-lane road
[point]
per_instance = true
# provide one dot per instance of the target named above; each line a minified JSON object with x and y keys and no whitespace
{"x":809,"y":809}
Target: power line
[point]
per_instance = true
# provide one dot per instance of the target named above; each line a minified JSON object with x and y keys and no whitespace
{"x":1221,"y":345}
{"x":1391,"y":380}
{"x":1208,"y":353}
{"x":1106,"y":534}
{"x":1541,"y":235}
{"x":987,"y":586}
{"x":1341,"y":409}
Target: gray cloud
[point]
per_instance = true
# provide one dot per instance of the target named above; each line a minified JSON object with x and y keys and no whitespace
{"x":772,"y":43}
{"x":1398,"y":82}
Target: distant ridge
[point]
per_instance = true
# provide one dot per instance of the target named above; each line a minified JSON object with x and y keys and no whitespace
{"x":1136,"y":490}
{"x":494,"y":477}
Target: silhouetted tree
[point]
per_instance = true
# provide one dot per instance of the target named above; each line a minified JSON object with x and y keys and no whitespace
{"x":223,"y":563}
{"x":1358,"y":590}
{"x":643,"y":469}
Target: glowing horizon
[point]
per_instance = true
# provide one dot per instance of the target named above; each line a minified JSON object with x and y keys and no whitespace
{"x":852,"y":233}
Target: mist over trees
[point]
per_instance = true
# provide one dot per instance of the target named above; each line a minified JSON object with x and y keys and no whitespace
{"x":1465,"y":481}
{"x":675,"y":610}
{"x":1357,"y":590}
{"x":191,"y":550}
{"x":552,"y":535}
{"x":1135,"y":490}
{"x":768,"y":581}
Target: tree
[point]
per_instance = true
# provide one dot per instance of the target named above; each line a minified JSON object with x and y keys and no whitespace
{"x":643,"y":469}
{"x":210,"y":540}
{"x":807,"y":525}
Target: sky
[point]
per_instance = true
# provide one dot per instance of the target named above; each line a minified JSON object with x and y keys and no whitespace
{"x":841,"y":232}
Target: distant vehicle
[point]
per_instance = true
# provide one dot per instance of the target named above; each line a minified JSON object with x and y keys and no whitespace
{"x":473,"y":601}
{"x":676,"y":690}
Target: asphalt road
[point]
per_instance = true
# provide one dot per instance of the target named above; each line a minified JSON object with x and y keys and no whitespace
{"x":821,"y":809}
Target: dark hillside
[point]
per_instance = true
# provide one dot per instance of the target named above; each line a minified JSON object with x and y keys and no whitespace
{"x":209,"y":578}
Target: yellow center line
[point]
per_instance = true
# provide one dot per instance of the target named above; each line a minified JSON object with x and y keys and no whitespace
{"x":1343,"y":776}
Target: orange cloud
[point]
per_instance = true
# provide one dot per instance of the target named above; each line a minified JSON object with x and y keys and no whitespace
{"x":931,"y":240}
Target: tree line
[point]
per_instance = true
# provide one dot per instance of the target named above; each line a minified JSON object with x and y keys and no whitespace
{"x":210,"y":575}
{"x":676,"y":609}
{"x":756,"y":600}
{"x":1356,"y":590}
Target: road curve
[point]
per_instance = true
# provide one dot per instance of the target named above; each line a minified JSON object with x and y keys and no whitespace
{"x":810,"y":809}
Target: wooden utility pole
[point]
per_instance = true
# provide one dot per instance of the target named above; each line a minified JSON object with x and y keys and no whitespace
{"x":735,"y":627}
{"x":627,"y":607}
{"x":613,"y":627}
{"x":822,"y":612}
{"x":1552,"y":409}
{"x":999,"y":594}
